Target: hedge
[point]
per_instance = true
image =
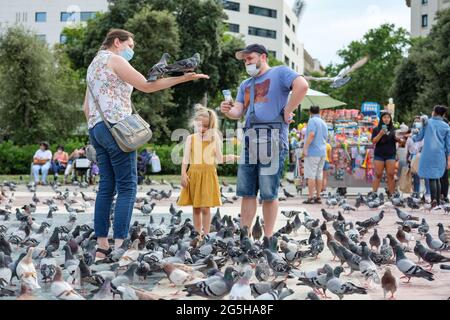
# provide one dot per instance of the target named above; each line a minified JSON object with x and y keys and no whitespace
{"x":16,"y":159}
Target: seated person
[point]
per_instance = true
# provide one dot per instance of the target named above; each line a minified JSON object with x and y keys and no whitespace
{"x":76,"y":154}
{"x":60,"y":160}
{"x":41,"y":162}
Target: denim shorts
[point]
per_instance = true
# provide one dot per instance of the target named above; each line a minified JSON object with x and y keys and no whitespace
{"x":326,"y":166}
{"x":384,"y":159}
{"x":263,"y":177}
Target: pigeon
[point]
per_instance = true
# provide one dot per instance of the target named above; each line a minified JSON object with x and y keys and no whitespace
{"x":404,"y":237}
{"x":262,"y":270}
{"x":328,"y":216}
{"x":428,"y":255}
{"x":347,"y":207}
{"x":257,"y":230}
{"x":214,"y":288}
{"x":278,"y":266}
{"x":289,"y":214}
{"x":386,"y":251}
{"x":371,"y":222}
{"x":388,"y":283}
{"x":340,"y":288}
{"x":312,"y":296}
{"x":423,"y":228}
{"x":61,"y":289}
{"x":159,"y":69}
{"x":404,"y":216}
{"x":176,"y":275}
{"x":241,"y":288}
{"x":185,"y":65}
{"x":260,"y":288}
{"x":409,"y":268}
{"x":444,"y":235}
{"x":287,"y":194}
{"x":5,"y":271}
{"x":26,"y":271}
{"x":435,"y":244}
{"x":367,"y":267}
{"x":375,"y":240}
{"x":130,"y":255}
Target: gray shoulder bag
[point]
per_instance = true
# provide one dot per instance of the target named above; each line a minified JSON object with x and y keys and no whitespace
{"x":130,"y":133}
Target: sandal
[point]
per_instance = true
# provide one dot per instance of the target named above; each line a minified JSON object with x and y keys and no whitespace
{"x":318,"y":200}
{"x":309,"y":201}
{"x":106,"y":259}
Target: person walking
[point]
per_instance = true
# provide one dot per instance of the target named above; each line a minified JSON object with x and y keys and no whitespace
{"x":436,"y":151}
{"x":315,"y":153}
{"x":111,"y":78}
{"x":264,"y":96}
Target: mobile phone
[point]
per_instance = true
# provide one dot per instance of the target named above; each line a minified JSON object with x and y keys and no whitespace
{"x":227,"y":95}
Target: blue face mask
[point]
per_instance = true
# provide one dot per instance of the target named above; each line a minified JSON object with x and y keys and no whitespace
{"x":418,"y":125}
{"x":127,"y":54}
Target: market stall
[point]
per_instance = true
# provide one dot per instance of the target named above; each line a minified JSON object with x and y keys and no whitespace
{"x":349,"y":134}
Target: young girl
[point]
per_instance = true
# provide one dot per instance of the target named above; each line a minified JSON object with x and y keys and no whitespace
{"x":202,"y":151}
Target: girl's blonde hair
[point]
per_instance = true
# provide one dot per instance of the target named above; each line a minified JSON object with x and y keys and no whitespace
{"x":203,"y":112}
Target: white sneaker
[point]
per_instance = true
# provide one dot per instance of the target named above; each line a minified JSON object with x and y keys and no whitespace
{"x":428,"y":198}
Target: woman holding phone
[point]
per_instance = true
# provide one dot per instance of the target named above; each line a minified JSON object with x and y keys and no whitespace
{"x":383,"y":136}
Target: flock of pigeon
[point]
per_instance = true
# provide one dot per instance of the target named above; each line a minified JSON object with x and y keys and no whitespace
{"x":166,"y":259}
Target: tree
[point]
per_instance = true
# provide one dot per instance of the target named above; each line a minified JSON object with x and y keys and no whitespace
{"x":147,"y":26}
{"x":422,"y":79}
{"x":432,"y":57}
{"x":41,"y":96}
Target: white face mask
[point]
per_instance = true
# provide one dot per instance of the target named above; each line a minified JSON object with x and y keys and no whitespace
{"x":252,"y":70}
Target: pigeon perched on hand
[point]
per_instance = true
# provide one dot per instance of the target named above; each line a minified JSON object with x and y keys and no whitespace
{"x":159,"y":69}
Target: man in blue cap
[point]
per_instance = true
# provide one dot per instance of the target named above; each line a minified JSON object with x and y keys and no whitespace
{"x":270,"y":88}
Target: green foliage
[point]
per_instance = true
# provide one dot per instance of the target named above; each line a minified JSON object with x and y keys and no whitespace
{"x":41,"y":97}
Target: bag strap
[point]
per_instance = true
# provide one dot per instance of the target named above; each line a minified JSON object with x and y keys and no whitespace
{"x":97,"y":105}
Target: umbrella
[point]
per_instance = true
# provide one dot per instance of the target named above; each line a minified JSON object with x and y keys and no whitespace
{"x":324,"y":101}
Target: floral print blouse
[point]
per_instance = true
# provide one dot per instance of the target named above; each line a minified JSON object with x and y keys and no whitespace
{"x":112,"y":93}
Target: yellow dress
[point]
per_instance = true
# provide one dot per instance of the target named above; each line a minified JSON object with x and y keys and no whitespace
{"x":203,"y":187}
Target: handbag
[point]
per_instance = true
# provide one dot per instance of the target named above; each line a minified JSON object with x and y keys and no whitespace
{"x":130,"y":133}
{"x":405,"y":182}
{"x":266,"y":137}
{"x":415,"y":164}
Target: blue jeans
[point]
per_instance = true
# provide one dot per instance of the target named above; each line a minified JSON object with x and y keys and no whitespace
{"x":416,"y":184}
{"x":56,"y":167}
{"x":44,"y":169}
{"x":262,"y":177}
{"x":118,"y":172}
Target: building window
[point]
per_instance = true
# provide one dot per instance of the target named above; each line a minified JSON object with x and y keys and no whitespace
{"x":424,"y":20}
{"x":424,"y":2}
{"x":287,"y":41}
{"x":85,"y":16}
{"x":293,"y":66}
{"x":231,"y":5}
{"x":232,"y":27}
{"x":68,"y":16}
{"x":286,"y":60}
{"x":41,"y":37}
{"x":293,"y":47}
{"x":266,"y":33}
{"x":272,"y":53}
{"x":62,"y":38}
{"x":40,"y":17}
{"x":288,"y":21}
{"x":293,"y":28}
{"x":262,"y":11}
